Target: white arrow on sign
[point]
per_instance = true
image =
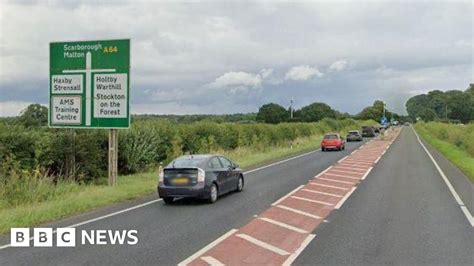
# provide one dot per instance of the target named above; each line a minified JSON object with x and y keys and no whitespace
{"x":88,"y":72}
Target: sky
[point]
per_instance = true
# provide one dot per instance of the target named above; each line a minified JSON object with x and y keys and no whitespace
{"x":228,"y":56}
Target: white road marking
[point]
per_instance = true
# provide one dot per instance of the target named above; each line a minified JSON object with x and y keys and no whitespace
{"x":363,"y":163}
{"x":323,"y":185}
{"x":212,"y":261}
{"x":263,"y":244}
{"x":297,"y":252}
{"x":344,"y":176}
{"x":343,"y":158}
{"x":448,"y":183}
{"x":322,"y":193}
{"x":339,"y":204}
{"x":366,"y":173}
{"x":378,"y":158}
{"x":347,"y":171}
{"x":349,"y":168}
{"x":298,"y":211}
{"x":359,"y":160}
{"x":337,"y":181}
{"x":353,"y":166}
{"x":327,"y":169}
{"x":286,"y":196}
{"x":310,"y":200}
{"x":206,"y":248}
{"x":284,"y":225}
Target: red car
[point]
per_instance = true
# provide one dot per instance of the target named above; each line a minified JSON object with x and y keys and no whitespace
{"x":333,"y":141}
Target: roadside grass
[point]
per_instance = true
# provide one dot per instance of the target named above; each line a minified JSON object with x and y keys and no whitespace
{"x":458,"y":155}
{"x":81,"y":198}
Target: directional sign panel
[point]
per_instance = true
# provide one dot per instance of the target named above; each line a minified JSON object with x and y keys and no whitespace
{"x":89,"y":84}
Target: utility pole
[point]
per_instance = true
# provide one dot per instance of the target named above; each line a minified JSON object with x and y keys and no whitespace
{"x":291,"y":108}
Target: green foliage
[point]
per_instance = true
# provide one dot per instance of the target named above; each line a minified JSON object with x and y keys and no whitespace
{"x":272,"y":113}
{"x":315,"y":112}
{"x":35,"y":115}
{"x":375,"y":112}
{"x":451,"y":105}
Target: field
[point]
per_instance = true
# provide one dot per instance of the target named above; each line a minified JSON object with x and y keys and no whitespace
{"x":35,"y":188}
{"x":454,"y":141}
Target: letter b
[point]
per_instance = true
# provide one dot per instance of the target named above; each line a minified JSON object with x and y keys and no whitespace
{"x":43,"y":237}
{"x":20,"y":237}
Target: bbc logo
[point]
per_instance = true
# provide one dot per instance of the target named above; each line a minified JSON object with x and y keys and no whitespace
{"x":43,"y":237}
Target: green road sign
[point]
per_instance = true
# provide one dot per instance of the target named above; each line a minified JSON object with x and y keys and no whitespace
{"x":89,"y":84}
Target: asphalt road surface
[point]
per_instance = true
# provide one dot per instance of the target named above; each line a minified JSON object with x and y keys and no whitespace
{"x":403,"y":214}
{"x":169,"y":234}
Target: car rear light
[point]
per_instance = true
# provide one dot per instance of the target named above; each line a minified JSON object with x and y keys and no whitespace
{"x":161,"y":176}
{"x":201,"y":175}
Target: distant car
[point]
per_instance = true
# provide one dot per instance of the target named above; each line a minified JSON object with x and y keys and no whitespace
{"x":199,"y":176}
{"x":354,"y":135}
{"x":332,"y":141}
{"x":368,"y":132}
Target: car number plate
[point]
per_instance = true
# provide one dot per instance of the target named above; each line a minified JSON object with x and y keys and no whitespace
{"x":180,"y":181}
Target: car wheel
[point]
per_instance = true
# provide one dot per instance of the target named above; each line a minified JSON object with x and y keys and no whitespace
{"x":322,"y":149}
{"x":240,"y":184}
{"x":213,"y":193}
{"x":168,"y":200}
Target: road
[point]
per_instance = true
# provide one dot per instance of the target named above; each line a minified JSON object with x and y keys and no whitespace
{"x":400,"y":213}
{"x":403,"y":215}
{"x":170,"y":233}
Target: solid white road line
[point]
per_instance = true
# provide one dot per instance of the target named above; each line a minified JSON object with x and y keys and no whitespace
{"x":378,"y":158}
{"x":448,"y":183}
{"x":344,"y":176}
{"x":212,"y":261}
{"x":298,"y":211}
{"x":337,"y":181}
{"x":327,"y":169}
{"x":206,"y":248}
{"x":280,"y":162}
{"x":297,"y":252}
{"x":310,"y":200}
{"x":339,"y":204}
{"x":343,"y":158}
{"x":366,"y":173}
{"x":322,"y":193}
{"x":263,"y":244}
{"x":286,"y":196}
{"x":323,"y":185}
{"x":284,"y":225}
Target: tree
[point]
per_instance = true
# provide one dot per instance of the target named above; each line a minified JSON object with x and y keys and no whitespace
{"x":315,"y":112}
{"x":374,"y":112}
{"x":272,"y":113}
{"x":35,"y":115}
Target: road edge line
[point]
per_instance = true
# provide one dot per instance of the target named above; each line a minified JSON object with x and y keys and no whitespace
{"x":456,"y":196}
{"x":297,"y":252}
{"x":339,"y":204}
{"x":287,"y":195}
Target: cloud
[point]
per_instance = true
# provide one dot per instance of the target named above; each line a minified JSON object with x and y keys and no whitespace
{"x":338,"y":66}
{"x":302,"y":73}
{"x":241,"y":79}
{"x":12,"y":108}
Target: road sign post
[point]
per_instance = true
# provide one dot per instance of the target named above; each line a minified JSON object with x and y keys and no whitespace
{"x":90,"y":88}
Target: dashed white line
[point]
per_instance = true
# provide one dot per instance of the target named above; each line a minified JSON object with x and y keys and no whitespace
{"x":322,"y":193}
{"x":263,"y":244}
{"x":311,"y":200}
{"x":329,"y":186}
{"x":286,"y":196}
{"x":207,"y":248}
{"x":378,"y":158}
{"x":339,"y":204}
{"x":212,"y":261}
{"x":366,"y":173}
{"x":298,"y":211}
{"x":284,"y":225}
{"x":297,"y":252}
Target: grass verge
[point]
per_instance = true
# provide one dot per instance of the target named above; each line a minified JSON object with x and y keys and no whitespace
{"x":81,"y":198}
{"x":458,"y":156}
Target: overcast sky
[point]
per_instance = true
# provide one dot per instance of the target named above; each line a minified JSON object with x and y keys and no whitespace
{"x":215,"y":57}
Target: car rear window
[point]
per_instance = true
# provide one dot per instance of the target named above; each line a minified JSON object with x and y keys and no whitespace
{"x":187,"y":162}
{"x":353,"y":132}
{"x":332,"y":136}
